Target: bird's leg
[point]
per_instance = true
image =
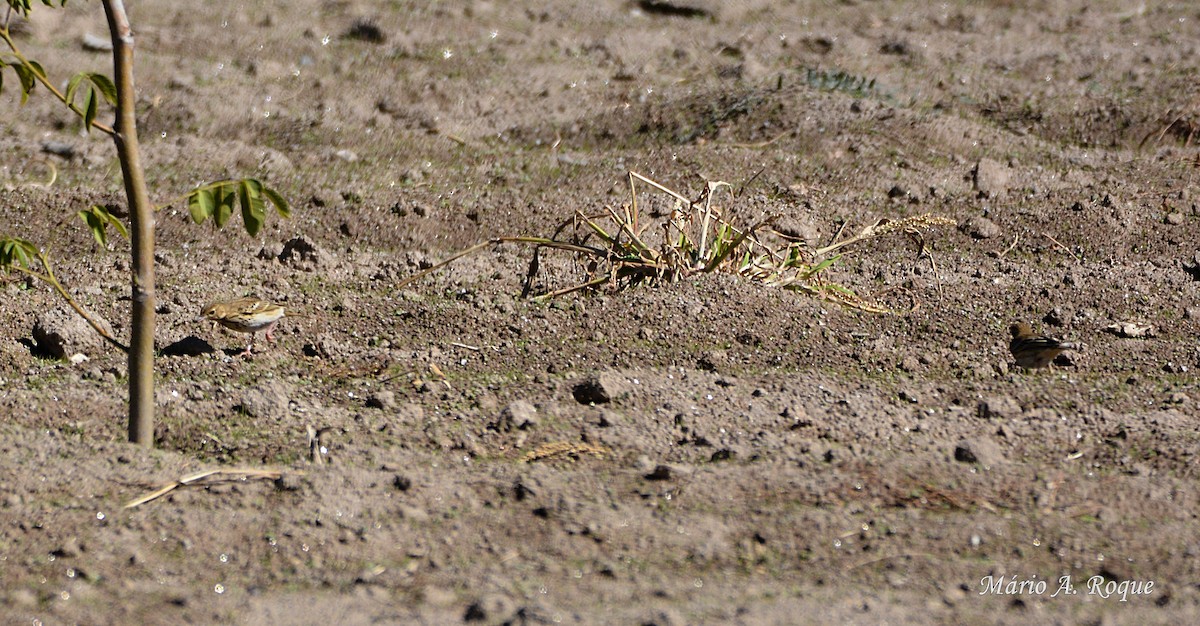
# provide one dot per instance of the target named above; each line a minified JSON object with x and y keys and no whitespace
{"x":271,"y":327}
{"x":246,"y":352}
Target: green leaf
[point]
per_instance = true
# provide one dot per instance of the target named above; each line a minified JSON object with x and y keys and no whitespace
{"x":225,"y":197}
{"x":96,"y":225}
{"x":98,"y":219}
{"x":281,"y":205}
{"x":822,"y":266}
{"x":16,"y":251}
{"x":27,"y":80}
{"x":840,"y":289}
{"x":23,"y":6}
{"x":39,"y":71}
{"x":89,"y":109}
{"x":795,"y":256}
{"x":112,"y":219}
{"x":253,"y":207}
{"x":99,"y":83}
{"x":73,"y":87}
{"x":201,"y":205}
{"x":105,"y":85}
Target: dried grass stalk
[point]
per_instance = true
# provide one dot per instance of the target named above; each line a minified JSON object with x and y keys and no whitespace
{"x":206,"y":477}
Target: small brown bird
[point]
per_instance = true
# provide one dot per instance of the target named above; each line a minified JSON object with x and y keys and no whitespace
{"x":245,"y":315}
{"x":1032,"y":351}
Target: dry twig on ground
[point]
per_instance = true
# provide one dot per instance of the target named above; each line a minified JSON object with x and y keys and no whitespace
{"x":206,"y":477}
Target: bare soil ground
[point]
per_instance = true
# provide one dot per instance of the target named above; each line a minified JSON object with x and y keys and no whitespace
{"x":746,"y":455}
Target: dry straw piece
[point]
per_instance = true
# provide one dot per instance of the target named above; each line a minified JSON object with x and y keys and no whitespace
{"x":206,"y":477}
{"x":565,"y":449}
{"x":618,"y":250}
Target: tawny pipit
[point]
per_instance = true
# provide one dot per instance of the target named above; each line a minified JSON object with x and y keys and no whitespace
{"x":245,"y":315}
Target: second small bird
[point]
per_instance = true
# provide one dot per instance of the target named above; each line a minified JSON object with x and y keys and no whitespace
{"x":1031,"y":351}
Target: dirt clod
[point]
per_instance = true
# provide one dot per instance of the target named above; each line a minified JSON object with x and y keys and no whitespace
{"x":981,"y":450}
{"x":991,"y":178}
{"x":999,"y":407}
{"x":519,"y":415}
{"x":492,"y":609}
{"x":382,"y":400}
{"x":302,"y":253}
{"x":598,"y":389}
{"x":979,"y":227}
{"x":61,"y":333}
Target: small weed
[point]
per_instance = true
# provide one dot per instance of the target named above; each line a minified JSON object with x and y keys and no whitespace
{"x":619,"y":250}
{"x":849,"y":84}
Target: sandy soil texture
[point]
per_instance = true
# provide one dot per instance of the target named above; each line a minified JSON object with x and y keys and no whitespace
{"x":708,"y":450}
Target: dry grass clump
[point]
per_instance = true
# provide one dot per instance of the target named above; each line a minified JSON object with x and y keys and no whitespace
{"x":565,"y":450}
{"x":618,"y":249}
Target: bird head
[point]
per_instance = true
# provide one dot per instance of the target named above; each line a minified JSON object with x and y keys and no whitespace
{"x":1020,"y":329}
{"x":214,"y":311}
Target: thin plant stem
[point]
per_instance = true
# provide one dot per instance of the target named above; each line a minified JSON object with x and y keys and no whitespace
{"x":45,"y":81}
{"x":51,"y":280}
